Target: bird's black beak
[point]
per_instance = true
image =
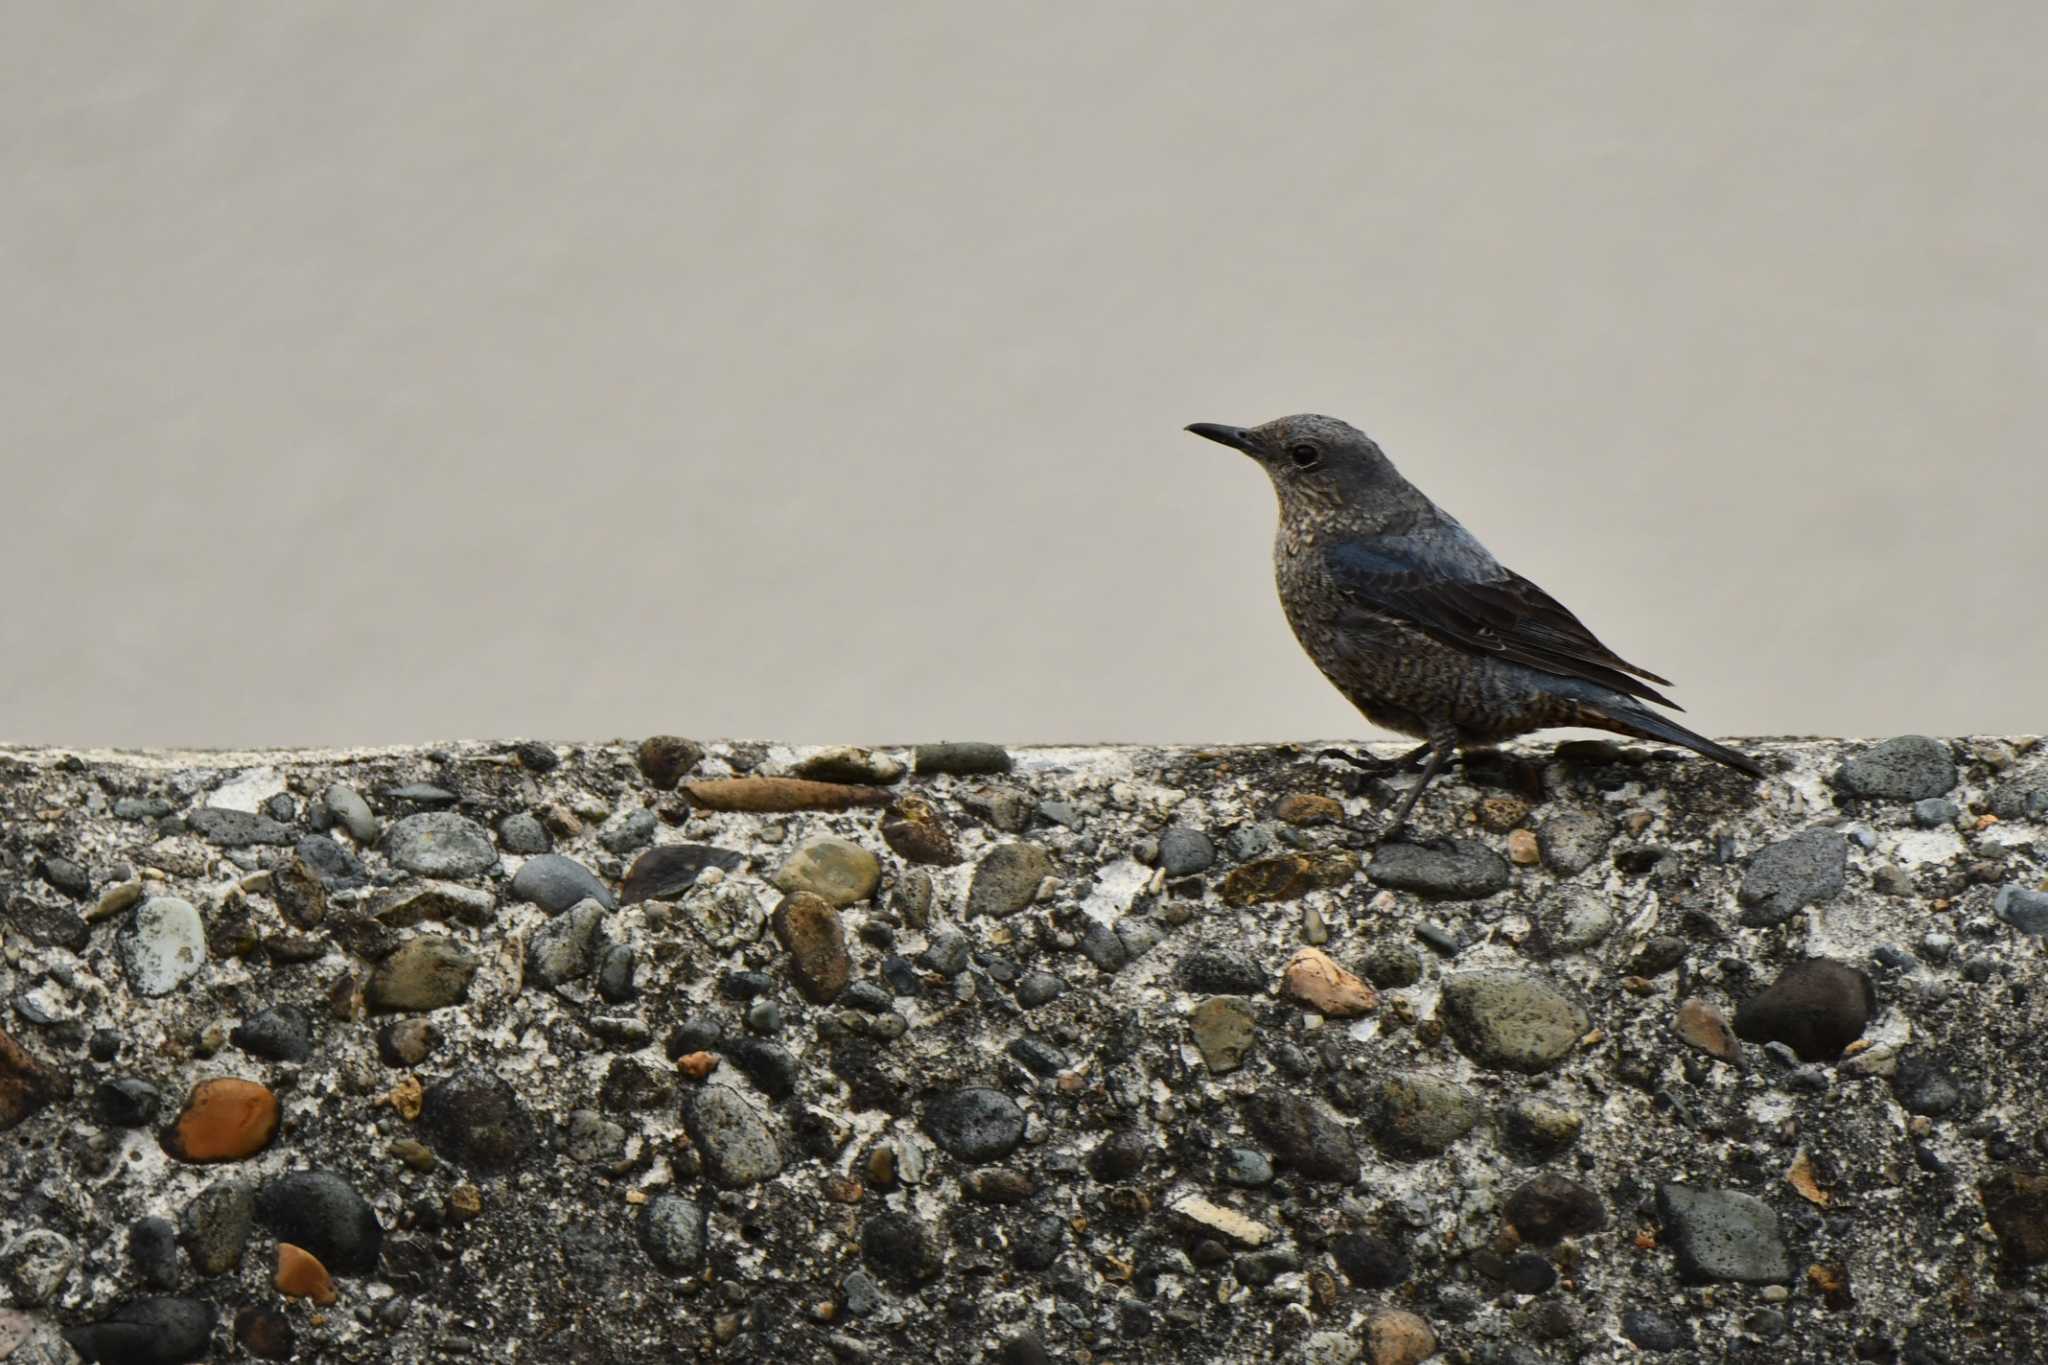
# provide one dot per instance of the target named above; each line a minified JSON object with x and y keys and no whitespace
{"x":1237,"y":438}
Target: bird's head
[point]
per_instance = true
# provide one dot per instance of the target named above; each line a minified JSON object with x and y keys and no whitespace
{"x":1317,"y":463}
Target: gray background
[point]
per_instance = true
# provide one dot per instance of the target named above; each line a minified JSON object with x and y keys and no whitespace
{"x":377,"y":373}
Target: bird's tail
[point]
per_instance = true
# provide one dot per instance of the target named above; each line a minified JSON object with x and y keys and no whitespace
{"x":1629,"y":718}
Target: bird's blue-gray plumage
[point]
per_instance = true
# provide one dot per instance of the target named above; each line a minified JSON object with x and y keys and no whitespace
{"x":1417,"y":623}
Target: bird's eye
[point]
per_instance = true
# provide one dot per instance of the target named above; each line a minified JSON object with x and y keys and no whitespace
{"x":1304,"y":456}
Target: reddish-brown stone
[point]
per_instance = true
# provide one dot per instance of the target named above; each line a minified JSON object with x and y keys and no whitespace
{"x":770,"y":794}
{"x":809,"y":927}
{"x":225,"y":1119}
{"x":26,"y":1085}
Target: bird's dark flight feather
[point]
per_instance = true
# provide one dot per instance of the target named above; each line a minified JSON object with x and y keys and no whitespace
{"x":1449,"y":587}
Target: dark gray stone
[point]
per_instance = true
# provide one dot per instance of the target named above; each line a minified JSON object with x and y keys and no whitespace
{"x":739,"y":1149}
{"x":154,"y":1331}
{"x":320,"y":1211}
{"x":1184,"y":852}
{"x":1783,"y":879}
{"x":440,"y":843}
{"x":672,"y":1230}
{"x":522,"y":832}
{"x":565,"y":949}
{"x":215,"y":1225}
{"x":554,"y":883}
{"x":476,"y":1120}
{"x":974,"y":1123}
{"x":1303,"y":1135}
{"x":1463,"y":870}
{"x":1909,"y":768}
{"x":2024,"y":909}
{"x":282,"y":1033}
{"x":962,"y":758}
{"x":236,"y":828}
{"x":1723,"y":1235}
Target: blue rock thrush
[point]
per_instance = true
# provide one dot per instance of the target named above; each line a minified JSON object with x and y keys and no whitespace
{"x":1417,"y":624}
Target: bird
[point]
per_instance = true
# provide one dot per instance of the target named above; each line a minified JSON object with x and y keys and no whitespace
{"x":1416,"y":622}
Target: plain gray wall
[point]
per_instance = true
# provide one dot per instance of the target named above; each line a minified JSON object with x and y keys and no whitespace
{"x":378,"y":372}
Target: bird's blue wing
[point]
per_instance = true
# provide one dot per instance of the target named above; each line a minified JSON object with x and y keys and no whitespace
{"x":1447,"y":585}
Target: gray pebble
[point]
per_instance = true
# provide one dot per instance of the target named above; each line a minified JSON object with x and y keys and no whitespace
{"x":236,"y":828}
{"x":1723,"y":1235}
{"x":1909,"y":768}
{"x":1512,"y":1020}
{"x":1007,"y":879}
{"x":615,"y":974}
{"x":1244,"y":1167}
{"x":1184,"y":852}
{"x":215,"y":1225}
{"x":947,"y":953}
{"x":1572,"y":841}
{"x":1935,"y":812}
{"x":153,"y":1251}
{"x":1465,"y":870}
{"x":634,"y":830}
{"x":1784,"y":878}
{"x":282,"y":1033}
{"x":671,"y":1229}
{"x":2024,"y":909}
{"x":566,"y":947}
{"x":1038,"y":988}
{"x":522,"y":832}
{"x":348,"y":809}
{"x":440,"y":844}
{"x":960,"y":758}
{"x":555,"y":882}
{"x":739,"y":1150}
{"x":975,"y":1123}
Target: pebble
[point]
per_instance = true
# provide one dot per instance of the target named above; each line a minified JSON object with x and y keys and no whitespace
{"x":1816,"y":1007}
{"x":163,"y":946}
{"x":726,"y":917}
{"x":348,"y":809}
{"x":739,"y":1149}
{"x":266,"y":1333}
{"x":1223,"y":971}
{"x":555,"y":882}
{"x":667,"y":871}
{"x":808,"y":927}
{"x":631,"y":830}
{"x":321,"y":1212}
{"x":1287,"y":876}
{"x":1035,"y":989}
{"x":615,"y":973}
{"x":1573,"y":841}
{"x":1415,"y":1114}
{"x":1653,"y":1331}
{"x":778,"y":795}
{"x":901,"y":1247}
{"x":300,"y":1275}
{"x":771,"y":1067}
{"x":406,"y":1042}
{"x":1523,"y":850}
{"x":522,"y":832}
{"x":947,"y":953}
{"x":282,"y":1033}
{"x":2016,"y":1205}
{"x":236,"y":828}
{"x":35,"y":1266}
{"x":1371,"y":1261}
{"x":1390,"y":966}
{"x":1465,"y":869}
{"x":1244,"y":1167}
{"x":440,"y":843}
{"x":1007,"y":879}
{"x":974,"y":1123}
{"x":1302,"y":1135}
{"x":1784,"y":878}
{"x":152,"y":1331}
{"x":476,"y":1120}
{"x":425,"y":973}
{"x":1550,"y":1208}
{"x":836,"y":871}
{"x":960,"y":758}
{"x":672,"y":1230}
{"x":663,"y":759}
{"x":1313,"y":979}
{"x":2024,"y":909}
{"x":1723,"y":1235}
{"x":1307,"y":808}
{"x":153,"y":1251}
{"x":1700,"y":1025}
{"x":1223,"y":1028}
{"x":1394,"y":1336}
{"x":566,"y":948}
{"x":1185,"y":852}
{"x":215,"y":1225}
{"x":1512,"y":1020}
{"x":126,"y":1102}
{"x":223,"y":1119}
{"x":913,"y":827}
{"x":1909,"y":768}
{"x":1923,"y":1086}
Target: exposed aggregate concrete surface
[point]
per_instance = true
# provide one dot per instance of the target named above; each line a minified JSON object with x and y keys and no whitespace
{"x":738,"y":1051}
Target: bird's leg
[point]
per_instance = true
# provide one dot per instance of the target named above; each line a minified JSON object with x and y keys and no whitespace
{"x":1439,"y":749}
{"x":1377,"y":767}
